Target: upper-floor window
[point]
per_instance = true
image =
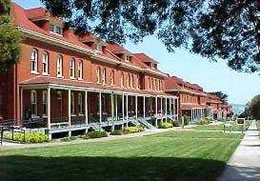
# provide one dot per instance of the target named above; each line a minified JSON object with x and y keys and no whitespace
{"x":133,"y":81}
{"x":112,"y":76}
{"x":80,"y":69}
{"x":45,"y":63}
{"x":34,"y":60}
{"x":98,"y":71}
{"x":122,"y":80}
{"x":56,"y":29}
{"x":127,"y":58}
{"x":104,"y":75}
{"x":128,"y":80}
{"x":72,"y":68}
{"x":59,"y":64}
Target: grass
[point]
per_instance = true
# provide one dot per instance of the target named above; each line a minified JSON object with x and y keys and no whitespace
{"x":174,"y":155}
{"x":219,"y":127}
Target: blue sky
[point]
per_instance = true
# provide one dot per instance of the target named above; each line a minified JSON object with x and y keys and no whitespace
{"x":240,"y":87}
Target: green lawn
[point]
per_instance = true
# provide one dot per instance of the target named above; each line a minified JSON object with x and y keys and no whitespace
{"x":174,"y":155}
{"x":220,"y":127}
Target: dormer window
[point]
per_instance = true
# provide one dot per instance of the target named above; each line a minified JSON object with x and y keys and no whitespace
{"x":127,"y":58}
{"x":56,"y":29}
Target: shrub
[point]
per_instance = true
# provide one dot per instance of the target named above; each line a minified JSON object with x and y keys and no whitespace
{"x":165,"y":125}
{"x":30,"y":137}
{"x":136,"y":129}
{"x":176,"y":123}
{"x":205,"y":121}
{"x":96,"y":134}
{"x":116,"y":132}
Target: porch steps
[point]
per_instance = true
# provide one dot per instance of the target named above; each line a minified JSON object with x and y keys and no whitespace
{"x":146,"y":124}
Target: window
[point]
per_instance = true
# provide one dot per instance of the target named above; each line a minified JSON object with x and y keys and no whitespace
{"x":122,"y":79}
{"x":138,"y":81}
{"x":44,"y":102}
{"x":56,"y":29}
{"x":45,"y":63}
{"x":60,"y":66}
{"x":80,"y":69}
{"x":80,"y":103}
{"x":128,"y":80}
{"x":104,"y":76}
{"x":133,"y":82}
{"x":98,"y":75}
{"x":127,"y":58}
{"x":33,"y":101}
{"x":72,"y":103}
{"x":112,"y":76}
{"x":72,"y":68}
{"x":34,"y":61}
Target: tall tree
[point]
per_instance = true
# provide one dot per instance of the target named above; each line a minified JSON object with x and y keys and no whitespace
{"x":10,"y":38}
{"x":215,"y":29}
{"x":252,"y":108}
{"x":221,"y":95}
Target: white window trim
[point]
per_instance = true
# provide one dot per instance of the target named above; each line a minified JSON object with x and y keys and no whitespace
{"x":72,"y":104}
{"x":80,"y":104}
{"x":47,"y":64}
{"x":72,"y":68}
{"x":80,"y":70}
{"x":35,"y":104}
{"x":98,"y":75}
{"x":104,"y":76}
{"x":34,"y":71}
{"x":45,"y":103}
{"x":61,"y":67}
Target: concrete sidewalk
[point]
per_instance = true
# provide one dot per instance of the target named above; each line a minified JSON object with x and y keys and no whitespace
{"x":244,"y":165}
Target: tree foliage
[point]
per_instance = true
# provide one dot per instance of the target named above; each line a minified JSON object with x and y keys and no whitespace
{"x":252,"y":109}
{"x":216,"y":29}
{"x":10,"y":38}
{"x":221,"y":95}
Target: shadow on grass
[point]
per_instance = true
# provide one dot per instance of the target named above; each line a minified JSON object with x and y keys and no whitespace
{"x":108,"y":168}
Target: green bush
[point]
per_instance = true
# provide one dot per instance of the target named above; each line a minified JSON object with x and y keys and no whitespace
{"x":165,"y":125}
{"x":116,"y":132}
{"x":30,"y":137}
{"x":176,"y":123}
{"x":96,"y":134}
{"x":136,"y":129}
{"x":205,"y":121}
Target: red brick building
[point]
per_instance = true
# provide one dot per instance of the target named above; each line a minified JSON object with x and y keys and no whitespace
{"x":74,"y":83}
{"x":194,"y":101}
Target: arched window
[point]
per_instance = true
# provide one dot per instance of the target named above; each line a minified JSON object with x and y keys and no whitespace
{"x":33,"y":102}
{"x":44,"y":102}
{"x":98,"y":75}
{"x":59,"y":64}
{"x":72,"y":68}
{"x":133,"y":83}
{"x":104,"y":75}
{"x":80,"y":69}
{"x":34,"y":61}
{"x":45,"y":63}
{"x":80,"y":103}
{"x":112,"y":77}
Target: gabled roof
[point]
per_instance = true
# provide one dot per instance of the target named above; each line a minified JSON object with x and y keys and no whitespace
{"x":145,"y":58}
{"x":37,"y":13}
{"x":117,"y":49}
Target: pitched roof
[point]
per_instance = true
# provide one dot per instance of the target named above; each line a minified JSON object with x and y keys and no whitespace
{"x":145,"y":58}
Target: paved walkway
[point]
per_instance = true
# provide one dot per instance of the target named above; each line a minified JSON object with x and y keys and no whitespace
{"x":244,"y":165}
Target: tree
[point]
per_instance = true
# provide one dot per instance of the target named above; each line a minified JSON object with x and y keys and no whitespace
{"x":221,"y":95}
{"x":215,"y":29}
{"x":252,"y":109}
{"x":10,"y":38}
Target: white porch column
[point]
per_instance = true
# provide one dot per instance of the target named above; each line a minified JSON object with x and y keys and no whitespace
{"x":49,"y":112}
{"x":86,"y":109}
{"x":174,"y":108}
{"x":136,"y":107}
{"x":49,"y":108}
{"x":170,"y":102}
{"x":123,"y":114}
{"x":191,"y":114}
{"x":69,"y":107}
{"x":144,"y":106}
{"x":100,"y":107}
{"x":127,"y":106}
{"x":112,"y":110}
